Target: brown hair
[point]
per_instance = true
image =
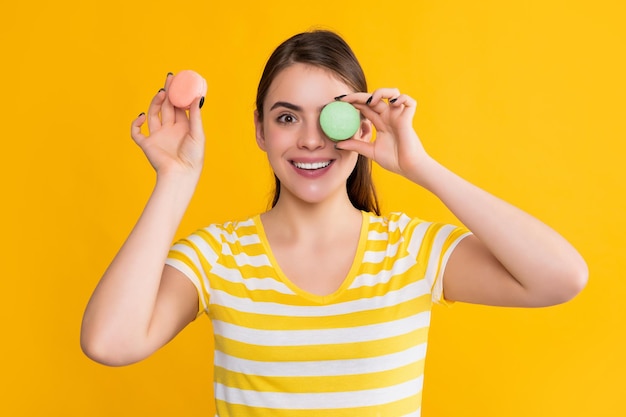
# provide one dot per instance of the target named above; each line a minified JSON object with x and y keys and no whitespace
{"x":322,"y":48}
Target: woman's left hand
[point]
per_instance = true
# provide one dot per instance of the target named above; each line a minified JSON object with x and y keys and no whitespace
{"x":396,"y":147}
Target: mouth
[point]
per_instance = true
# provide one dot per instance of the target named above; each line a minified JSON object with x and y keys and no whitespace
{"x":311,"y":166}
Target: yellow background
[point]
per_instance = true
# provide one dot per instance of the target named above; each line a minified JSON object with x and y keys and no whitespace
{"x":526,"y":99}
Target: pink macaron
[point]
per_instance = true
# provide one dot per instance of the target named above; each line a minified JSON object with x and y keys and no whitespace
{"x":185,"y":87}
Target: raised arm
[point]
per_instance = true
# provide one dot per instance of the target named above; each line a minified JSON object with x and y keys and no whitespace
{"x":139,"y":303}
{"x":512,"y":259}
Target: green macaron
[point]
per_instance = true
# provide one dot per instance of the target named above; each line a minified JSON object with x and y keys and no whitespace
{"x":340,"y":120}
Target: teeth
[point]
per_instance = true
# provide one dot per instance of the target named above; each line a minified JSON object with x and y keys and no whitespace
{"x":311,"y":165}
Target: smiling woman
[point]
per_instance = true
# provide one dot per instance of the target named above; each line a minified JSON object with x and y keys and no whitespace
{"x":324,"y":50}
{"x":320,"y":305}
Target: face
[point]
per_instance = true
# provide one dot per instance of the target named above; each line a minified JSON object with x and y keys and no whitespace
{"x":303,"y":158}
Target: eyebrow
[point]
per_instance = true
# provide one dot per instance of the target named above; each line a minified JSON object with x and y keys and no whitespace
{"x":289,"y":106}
{"x":286,"y":104}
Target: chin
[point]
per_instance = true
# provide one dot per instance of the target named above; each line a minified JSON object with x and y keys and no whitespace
{"x":312,"y":196}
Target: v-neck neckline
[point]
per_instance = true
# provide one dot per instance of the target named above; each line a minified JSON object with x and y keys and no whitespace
{"x":348,"y":279}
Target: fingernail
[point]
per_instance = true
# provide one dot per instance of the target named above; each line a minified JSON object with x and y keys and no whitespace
{"x":140,"y":114}
{"x":161,"y":89}
{"x":393,"y":100}
{"x":337,"y":146}
{"x":369,"y":100}
{"x":340,"y":97}
{"x":201,"y":102}
{"x":170,"y":73}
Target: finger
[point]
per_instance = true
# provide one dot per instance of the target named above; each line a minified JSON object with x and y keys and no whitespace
{"x":180,"y":116}
{"x":373,"y":105}
{"x":135,"y":128}
{"x":404,"y":103}
{"x":195,"y":119}
{"x":168,"y":115}
{"x":154,"y":122}
{"x":168,"y":80}
{"x":371,"y":115}
{"x":361,"y":147}
{"x":354,"y":98}
{"x":378,"y":101}
{"x":370,"y":99}
{"x":381,"y":94}
{"x":403,"y":100}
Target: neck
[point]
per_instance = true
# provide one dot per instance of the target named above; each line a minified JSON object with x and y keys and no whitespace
{"x":293,"y":218}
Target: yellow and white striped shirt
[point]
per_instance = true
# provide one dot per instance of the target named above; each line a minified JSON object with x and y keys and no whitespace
{"x":280,"y":351}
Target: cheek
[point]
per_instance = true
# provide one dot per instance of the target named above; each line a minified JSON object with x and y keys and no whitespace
{"x":276,"y":144}
{"x":276,"y":136}
{"x":352,"y":160}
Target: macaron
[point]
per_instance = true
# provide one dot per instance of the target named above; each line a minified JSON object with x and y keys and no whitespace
{"x":340,"y":120}
{"x":185,"y":87}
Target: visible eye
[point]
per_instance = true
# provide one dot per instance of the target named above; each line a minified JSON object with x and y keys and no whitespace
{"x":286,"y":118}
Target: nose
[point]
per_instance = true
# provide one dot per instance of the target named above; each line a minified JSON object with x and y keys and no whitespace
{"x":312,"y":136}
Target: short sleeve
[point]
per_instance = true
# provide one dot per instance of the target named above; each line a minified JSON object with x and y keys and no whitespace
{"x":194,"y":257}
{"x":451,"y":243}
{"x":433,"y":244}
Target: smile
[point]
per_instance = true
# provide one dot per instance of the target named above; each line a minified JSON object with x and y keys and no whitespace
{"x":311,"y":165}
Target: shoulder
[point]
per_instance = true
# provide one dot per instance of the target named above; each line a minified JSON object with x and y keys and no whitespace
{"x":233,"y":228}
{"x":229,"y":230}
{"x":394,"y":222}
{"x":213,"y":237}
{"x":419,"y":232}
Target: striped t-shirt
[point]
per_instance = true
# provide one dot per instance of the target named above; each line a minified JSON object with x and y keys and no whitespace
{"x":283,"y":352}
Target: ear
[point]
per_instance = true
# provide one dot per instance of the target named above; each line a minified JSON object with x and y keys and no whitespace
{"x":365,"y":132}
{"x":258,"y":129}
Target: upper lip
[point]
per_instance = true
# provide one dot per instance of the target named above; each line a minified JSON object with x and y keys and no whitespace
{"x":310,"y":160}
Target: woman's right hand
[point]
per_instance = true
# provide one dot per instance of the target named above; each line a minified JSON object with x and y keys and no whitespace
{"x":175,"y":142}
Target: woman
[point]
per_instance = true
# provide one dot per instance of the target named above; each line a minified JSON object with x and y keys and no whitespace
{"x":320,"y":306}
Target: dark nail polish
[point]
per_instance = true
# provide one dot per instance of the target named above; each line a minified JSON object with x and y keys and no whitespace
{"x":340,"y":97}
{"x":170,"y":73}
{"x":393,"y":100}
{"x":140,"y":114}
{"x":161,"y":89}
{"x":369,"y":100}
{"x":337,"y":146}
{"x":201,"y":102}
